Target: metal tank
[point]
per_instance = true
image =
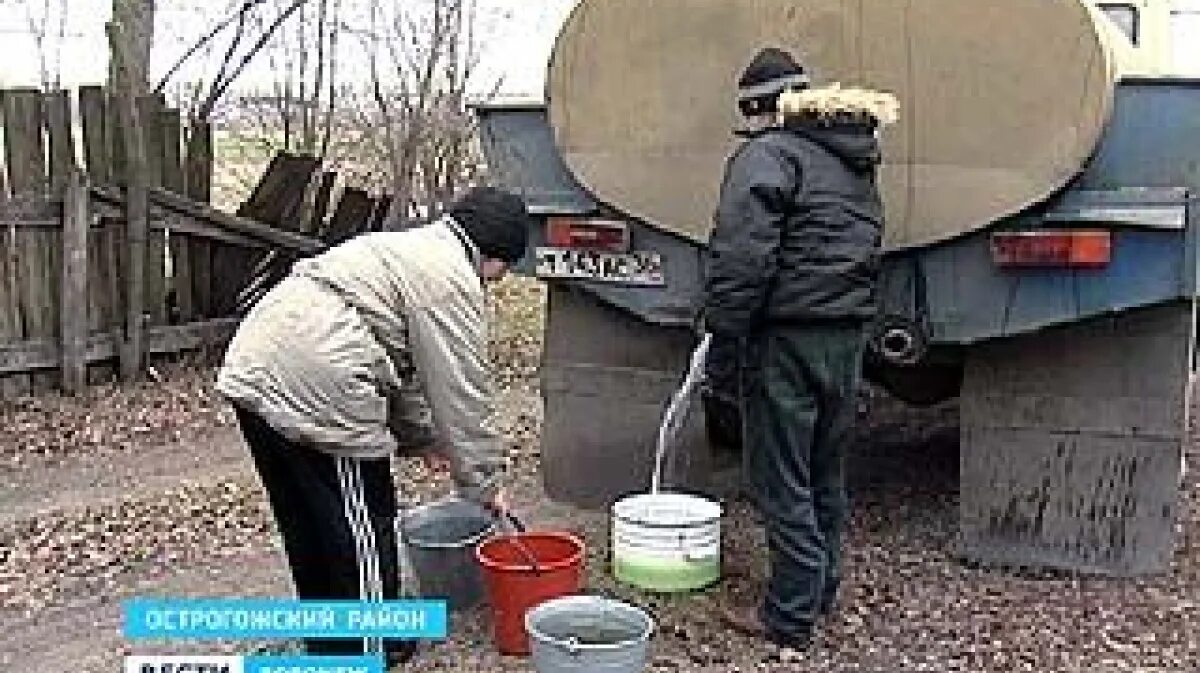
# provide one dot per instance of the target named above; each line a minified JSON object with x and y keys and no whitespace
{"x":1001,"y":102}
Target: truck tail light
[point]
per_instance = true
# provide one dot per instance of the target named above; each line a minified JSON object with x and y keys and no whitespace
{"x":577,"y":234}
{"x":1085,"y":249}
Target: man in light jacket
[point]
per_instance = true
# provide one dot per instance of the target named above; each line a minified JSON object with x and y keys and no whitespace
{"x":334,"y":370}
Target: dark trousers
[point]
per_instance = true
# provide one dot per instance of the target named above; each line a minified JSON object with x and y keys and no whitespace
{"x":801,"y":385}
{"x":336,"y":517}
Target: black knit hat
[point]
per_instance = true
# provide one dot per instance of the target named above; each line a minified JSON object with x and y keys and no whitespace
{"x":496,"y":221}
{"x":771,"y":71}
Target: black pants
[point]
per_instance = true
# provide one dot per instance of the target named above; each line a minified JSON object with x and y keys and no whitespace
{"x":801,"y":387}
{"x":336,"y":516}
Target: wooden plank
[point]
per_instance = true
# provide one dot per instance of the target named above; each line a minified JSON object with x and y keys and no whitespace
{"x":10,"y":318}
{"x":200,"y":254}
{"x":46,"y":354}
{"x":22,"y":223}
{"x":150,"y":114}
{"x":381,"y":212}
{"x":172,"y":153}
{"x":198,"y":163}
{"x":132,"y":131}
{"x":114,"y":260}
{"x":100,"y":296}
{"x":36,"y":274}
{"x":74,"y":317}
{"x":23,"y":141}
{"x":278,"y":198}
{"x":189,"y":226}
{"x":117,"y":145}
{"x":58,"y":120}
{"x":272,"y":177}
{"x":10,"y":308}
{"x":181,"y":280}
{"x":60,"y":127}
{"x":217,"y":218}
{"x":321,"y":203}
{"x":36,"y":287}
{"x":156,"y":277}
{"x":93,"y":111}
{"x":351,"y":217}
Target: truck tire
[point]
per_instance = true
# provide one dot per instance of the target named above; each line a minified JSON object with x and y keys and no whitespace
{"x":921,"y":385}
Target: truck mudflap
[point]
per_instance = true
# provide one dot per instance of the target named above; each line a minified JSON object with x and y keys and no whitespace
{"x":1072,"y":441}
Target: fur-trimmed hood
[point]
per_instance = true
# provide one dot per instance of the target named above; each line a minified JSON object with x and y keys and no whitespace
{"x":833,"y":105}
{"x":843,"y":121}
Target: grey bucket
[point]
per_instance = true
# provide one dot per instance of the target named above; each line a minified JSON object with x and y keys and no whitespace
{"x":588,"y":634}
{"x":439,"y":542}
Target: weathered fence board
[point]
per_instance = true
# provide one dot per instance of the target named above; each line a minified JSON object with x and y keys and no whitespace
{"x":74,"y":317}
{"x":198,"y":163}
{"x":10,"y":306}
{"x":45,"y":354}
{"x":200,"y":254}
{"x":25,"y":147}
{"x":103,"y":297}
{"x":25,"y":153}
{"x":62,"y":139}
{"x":182,"y":277}
{"x":379,"y":218}
{"x":321,"y":203}
{"x":278,"y":198}
{"x":114,"y":134}
{"x":73,"y":290}
{"x":172,"y":151}
{"x":97,"y":148}
{"x":351,"y":216}
{"x":150,"y":113}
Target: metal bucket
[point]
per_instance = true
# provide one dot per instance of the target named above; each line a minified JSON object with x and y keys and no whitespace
{"x":439,"y":542}
{"x":667,"y":542}
{"x":588,"y":634}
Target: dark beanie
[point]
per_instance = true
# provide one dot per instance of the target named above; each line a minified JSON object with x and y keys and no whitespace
{"x":771,"y":71}
{"x":496,"y":222}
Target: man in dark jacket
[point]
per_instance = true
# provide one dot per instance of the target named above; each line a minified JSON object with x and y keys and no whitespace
{"x":791,"y":277}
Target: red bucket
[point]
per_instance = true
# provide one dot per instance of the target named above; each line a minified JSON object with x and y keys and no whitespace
{"x":514,"y":587}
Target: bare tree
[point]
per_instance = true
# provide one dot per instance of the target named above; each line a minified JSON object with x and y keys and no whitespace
{"x":421,"y":99}
{"x":134,"y":21}
{"x":305,"y":96}
{"x":48,"y":26}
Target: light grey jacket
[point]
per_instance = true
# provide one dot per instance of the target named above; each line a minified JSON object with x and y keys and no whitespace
{"x":338,"y":354}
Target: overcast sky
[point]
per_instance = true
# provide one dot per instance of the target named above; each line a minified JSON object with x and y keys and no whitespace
{"x":519,"y":35}
{"x":517,"y":38}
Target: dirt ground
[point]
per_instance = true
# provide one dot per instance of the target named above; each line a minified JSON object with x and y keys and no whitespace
{"x":148,"y":491}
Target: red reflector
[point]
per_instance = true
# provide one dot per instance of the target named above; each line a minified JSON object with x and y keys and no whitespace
{"x":1052,"y":248}
{"x":602,"y":235}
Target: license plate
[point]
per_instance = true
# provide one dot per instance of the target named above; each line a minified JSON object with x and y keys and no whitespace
{"x":633,"y":268}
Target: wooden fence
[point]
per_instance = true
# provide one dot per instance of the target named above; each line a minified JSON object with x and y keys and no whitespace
{"x":65,"y":258}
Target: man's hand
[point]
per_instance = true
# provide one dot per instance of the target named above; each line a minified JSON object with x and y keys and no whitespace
{"x":435,"y":460}
{"x":499,"y":504}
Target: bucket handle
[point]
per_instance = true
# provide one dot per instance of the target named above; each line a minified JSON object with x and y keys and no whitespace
{"x":517,"y":526}
{"x":571,"y":646}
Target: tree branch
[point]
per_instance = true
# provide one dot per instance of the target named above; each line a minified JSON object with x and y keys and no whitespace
{"x":220,"y":87}
{"x":239,"y":16}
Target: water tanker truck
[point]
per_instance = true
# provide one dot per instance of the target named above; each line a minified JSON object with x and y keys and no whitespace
{"x":1040,"y":252}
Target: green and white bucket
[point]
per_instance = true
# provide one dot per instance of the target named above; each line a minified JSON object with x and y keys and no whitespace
{"x":666,"y":542}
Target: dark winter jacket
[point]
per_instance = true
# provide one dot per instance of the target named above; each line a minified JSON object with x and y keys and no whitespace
{"x":798,"y":229}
